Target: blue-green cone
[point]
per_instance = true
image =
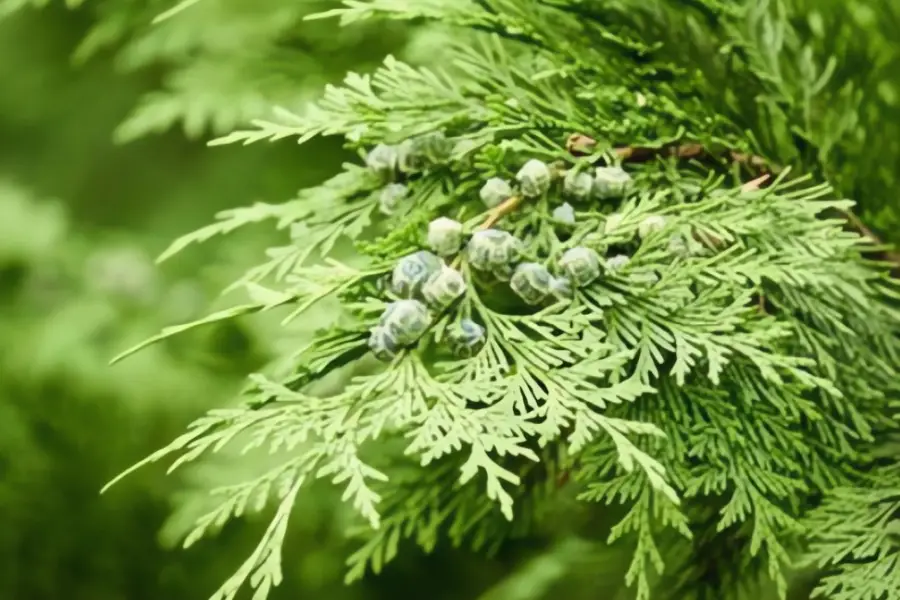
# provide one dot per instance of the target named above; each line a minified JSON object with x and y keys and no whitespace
{"x":611,"y":182}
{"x":445,"y":236}
{"x":383,"y":159}
{"x":651,"y":225}
{"x":532,"y":282}
{"x":466,"y":338}
{"x":564,"y":214}
{"x":406,"y":321}
{"x":493,"y":250}
{"x":495,"y":191}
{"x":581,"y":265}
{"x":413,"y":271}
{"x":561,"y":287}
{"x":443,"y":288}
{"x":382,"y":344}
{"x":617,"y":263}
{"x":534,"y":178}
{"x":578,"y":185}
{"x":390,"y":197}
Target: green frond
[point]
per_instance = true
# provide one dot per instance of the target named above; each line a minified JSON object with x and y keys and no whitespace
{"x":707,"y":353}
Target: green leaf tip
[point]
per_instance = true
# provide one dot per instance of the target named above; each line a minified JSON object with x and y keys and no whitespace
{"x":222,"y":315}
{"x":183,"y":5}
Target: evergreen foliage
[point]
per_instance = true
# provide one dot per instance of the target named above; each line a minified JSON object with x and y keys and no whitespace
{"x":222,"y":63}
{"x":725,"y":390}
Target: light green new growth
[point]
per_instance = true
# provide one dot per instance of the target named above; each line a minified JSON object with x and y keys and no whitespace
{"x":736,"y":369}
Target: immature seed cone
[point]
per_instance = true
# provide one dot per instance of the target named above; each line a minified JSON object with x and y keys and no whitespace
{"x":611,"y":182}
{"x":495,"y":192}
{"x":578,"y":185}
{"x":391,"y":196}
{"x":561,"y":287}
{"x":383,"y":159}
{"x":382,"y":344}
{"x":495,"y":251}
{"x":581,"y":265}
{"x":651,"y":225}
{"x":433,"y":147}
{"x":532,"y":282}
{"x":617,"y":263}
{"x":443,"y":288}
{"x":413,"y":271}
{"x":612,"y":223}
{"x":564,"y":214}
{"x":405,"y":321}
{"x":534,"y":178}
{"x":407,"y":159}
{"x":445,"y":236}
{"x":418,"y":153}
{"x":681,"y":245}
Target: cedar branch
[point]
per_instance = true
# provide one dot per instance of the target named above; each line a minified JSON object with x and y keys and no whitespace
{"x":580,"y":143}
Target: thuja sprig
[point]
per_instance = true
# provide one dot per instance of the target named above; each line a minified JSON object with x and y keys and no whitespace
{"x":619,"y":339}
{"x":570,"y":374}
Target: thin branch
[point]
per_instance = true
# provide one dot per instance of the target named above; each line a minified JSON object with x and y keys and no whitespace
{"x":581,"y":144}
{"x":891,"y":256}
{"x":755,"y":184}
{"x":500,"y":211}
{"x":858,"y":225}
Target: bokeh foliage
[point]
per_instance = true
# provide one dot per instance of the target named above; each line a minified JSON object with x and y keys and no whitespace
{"x":81,"y":218}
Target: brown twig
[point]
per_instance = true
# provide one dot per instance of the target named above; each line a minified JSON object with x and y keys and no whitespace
{"x":857,"y":224}
{"x":891,"y":256}
{"x":755,"y":184}
{"x":581,"y":144}
{"x":500,"y":211}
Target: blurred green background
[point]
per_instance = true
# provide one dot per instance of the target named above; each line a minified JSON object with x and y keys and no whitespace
{"x":103,"y":122}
